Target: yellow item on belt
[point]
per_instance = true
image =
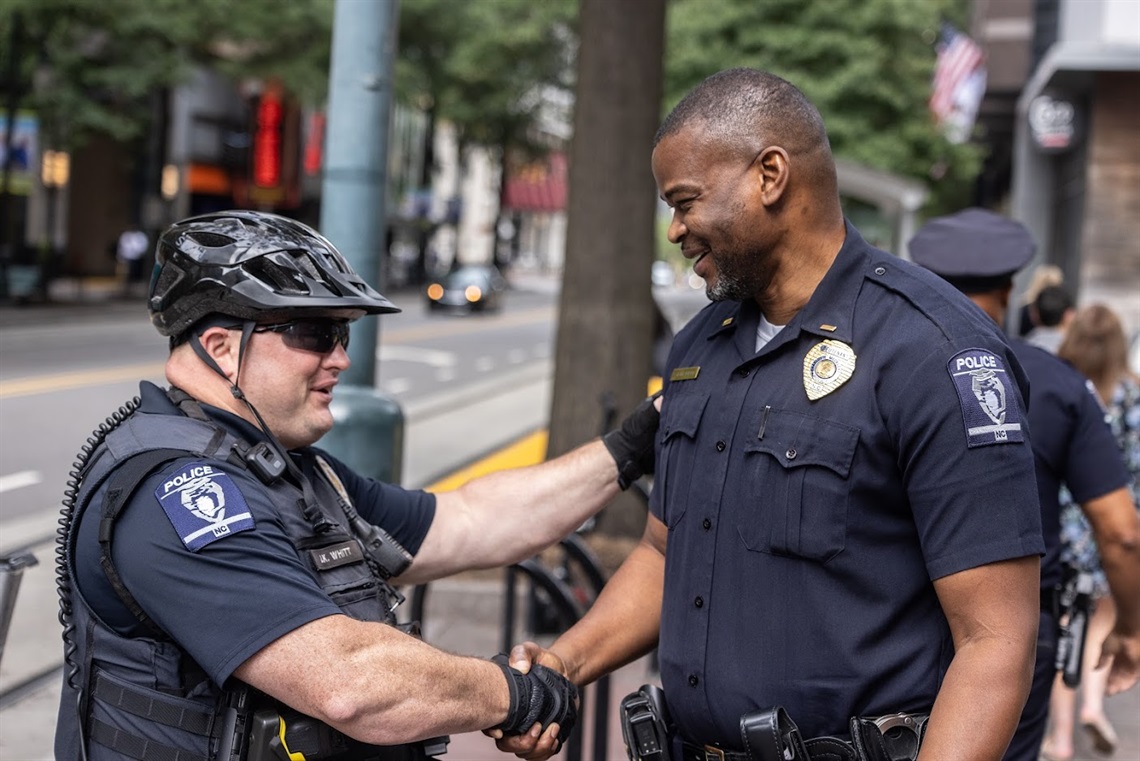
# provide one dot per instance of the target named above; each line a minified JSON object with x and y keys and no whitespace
{"x":281,"y":733}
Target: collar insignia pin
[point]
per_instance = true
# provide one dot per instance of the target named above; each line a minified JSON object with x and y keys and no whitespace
{"x":827,"y":366}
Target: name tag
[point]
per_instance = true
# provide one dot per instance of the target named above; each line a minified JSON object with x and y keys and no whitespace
{"x":336,"y":555}
{"x":684,"y":373}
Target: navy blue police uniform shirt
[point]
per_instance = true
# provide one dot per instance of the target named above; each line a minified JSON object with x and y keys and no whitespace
{"x":1072,"y":442}
{"x":228,"y":599}
{"x":804,"y":533}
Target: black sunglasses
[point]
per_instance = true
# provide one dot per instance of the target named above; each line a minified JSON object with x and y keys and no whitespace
{"x":320,"y":336}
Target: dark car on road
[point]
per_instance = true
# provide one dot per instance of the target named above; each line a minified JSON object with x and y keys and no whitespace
{"x":472,"y":287}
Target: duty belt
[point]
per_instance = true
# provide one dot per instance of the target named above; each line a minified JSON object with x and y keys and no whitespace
{"x":712,"y":753}
{"x":772,"y":736}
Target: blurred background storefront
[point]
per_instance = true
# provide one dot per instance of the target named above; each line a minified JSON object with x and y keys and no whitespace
{"x":1060,"y":122}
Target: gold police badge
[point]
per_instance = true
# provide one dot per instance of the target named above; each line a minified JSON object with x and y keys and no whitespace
{"x":827,"y":367}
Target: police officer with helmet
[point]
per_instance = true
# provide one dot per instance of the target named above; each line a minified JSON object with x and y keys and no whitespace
{"x":841,"y":560}
{"x":979,"y":252}
{"x":227,"y":588}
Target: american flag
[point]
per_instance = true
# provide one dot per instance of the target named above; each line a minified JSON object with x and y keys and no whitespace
{"x":959,"y":60}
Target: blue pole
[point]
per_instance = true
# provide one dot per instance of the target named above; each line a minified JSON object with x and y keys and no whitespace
{"x":369,"y":426}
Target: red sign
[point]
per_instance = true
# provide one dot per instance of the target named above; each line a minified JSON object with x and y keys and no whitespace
{"x":313,"y":143}
{"x":267,"y":140}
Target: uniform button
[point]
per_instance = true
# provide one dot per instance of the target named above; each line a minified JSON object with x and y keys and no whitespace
{"x":707,"y":524}
{"x":790,"y":454}
{"x":699,"y":602}
{"x":880,"y":270}
{"x":720,"y":445}
{"x":743,"y":372}
{"x":693,"y":680}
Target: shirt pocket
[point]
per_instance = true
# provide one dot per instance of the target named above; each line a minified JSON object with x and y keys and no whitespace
{"x":680,"y":423}
{"x":798,"y":491}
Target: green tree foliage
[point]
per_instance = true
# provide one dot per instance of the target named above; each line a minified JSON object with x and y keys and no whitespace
{"x":97,"y":63}
{"x":480,"y":65}
{"x":866,"y":64}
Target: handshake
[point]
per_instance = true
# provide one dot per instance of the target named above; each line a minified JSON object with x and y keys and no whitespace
{"x":540,"y":696}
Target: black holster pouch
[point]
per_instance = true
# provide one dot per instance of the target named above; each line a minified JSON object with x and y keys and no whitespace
{"x":284,"y":735}
{"x":645,"y":724}
{"x":771,"y":735}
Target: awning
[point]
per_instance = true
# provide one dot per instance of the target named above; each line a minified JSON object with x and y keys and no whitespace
{"x":540,"y":186}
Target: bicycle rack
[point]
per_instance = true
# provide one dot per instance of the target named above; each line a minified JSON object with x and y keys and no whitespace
{"x":11,"y":571}
{"x":569,"y":611}
{"x":567,"y":608}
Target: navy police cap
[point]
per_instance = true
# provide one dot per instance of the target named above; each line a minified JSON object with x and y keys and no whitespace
{"x":975,"y":249}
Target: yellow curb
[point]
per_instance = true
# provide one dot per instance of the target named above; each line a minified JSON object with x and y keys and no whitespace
{"x":529,"y":450}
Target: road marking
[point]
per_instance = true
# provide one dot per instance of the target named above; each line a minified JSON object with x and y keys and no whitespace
{"x":483,"y":364}
{"x":445,"y":374}
{"x":515,"y":356}
{"x":448,"y":327}
{"x":415,"y":354}
{"x":43,"y":384}
{"x":19,"y":480}
{"x":396,"y":385}
{"x":66,"y":381}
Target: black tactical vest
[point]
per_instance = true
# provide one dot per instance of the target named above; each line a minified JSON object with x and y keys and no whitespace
{"x":142,"y":697}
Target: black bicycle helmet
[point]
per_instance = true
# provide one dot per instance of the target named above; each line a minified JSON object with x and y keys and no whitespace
{"x":252,"y":265}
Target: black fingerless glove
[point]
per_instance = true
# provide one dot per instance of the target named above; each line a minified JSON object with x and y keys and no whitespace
{"x":632,"y":444}
{"x":542,"y":696}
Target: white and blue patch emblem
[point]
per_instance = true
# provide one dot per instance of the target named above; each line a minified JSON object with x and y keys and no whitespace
{"x":989,"y":406}
{"x":204,"y":505}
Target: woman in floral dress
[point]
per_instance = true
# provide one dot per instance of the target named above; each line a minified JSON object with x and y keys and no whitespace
{"x":1095,"y":344}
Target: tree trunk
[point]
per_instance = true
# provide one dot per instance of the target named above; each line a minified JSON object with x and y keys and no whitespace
{"x":606,"y":321}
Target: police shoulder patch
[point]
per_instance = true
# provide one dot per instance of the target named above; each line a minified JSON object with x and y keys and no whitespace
{"x":985,"y":392}
{"x":204,"y":505}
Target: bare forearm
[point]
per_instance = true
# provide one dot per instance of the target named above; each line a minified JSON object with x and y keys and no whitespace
{"x":980,"y":702}
{"x":993,"y":611}
{"x":1116,"y":528}
{"x":623,"y":623}
{"x":1121,"y":566}
{"x":504,"y":517}
{"x":377,"y":684}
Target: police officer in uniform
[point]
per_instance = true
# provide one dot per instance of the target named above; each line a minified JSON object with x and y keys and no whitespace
{"x":227,"y":588}
{"x":979,"y":252}
{"x":844,"y":485}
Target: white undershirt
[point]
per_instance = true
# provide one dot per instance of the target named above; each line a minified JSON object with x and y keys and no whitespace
{"x":765,"y":332}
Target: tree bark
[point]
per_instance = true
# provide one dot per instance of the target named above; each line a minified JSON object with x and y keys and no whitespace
{"x":607,"y":315}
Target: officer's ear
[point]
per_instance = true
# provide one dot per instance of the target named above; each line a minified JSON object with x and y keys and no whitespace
{"x":771,"y":168}
{"x":222,"y":345}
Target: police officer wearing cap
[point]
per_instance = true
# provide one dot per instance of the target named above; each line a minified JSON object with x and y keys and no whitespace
{"x":979,"y":252}
{"x":227,"y":588}
{"x":842,"y":540}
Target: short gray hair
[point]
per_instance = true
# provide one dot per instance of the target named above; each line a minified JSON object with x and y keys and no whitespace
{"x":747,"y":104}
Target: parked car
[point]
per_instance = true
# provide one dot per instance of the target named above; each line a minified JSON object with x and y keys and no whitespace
{"x":472,"y":287}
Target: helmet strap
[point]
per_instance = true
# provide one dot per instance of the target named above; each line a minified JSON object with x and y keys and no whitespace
{"x":247,"y":328}
{"x":195,"y":342}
